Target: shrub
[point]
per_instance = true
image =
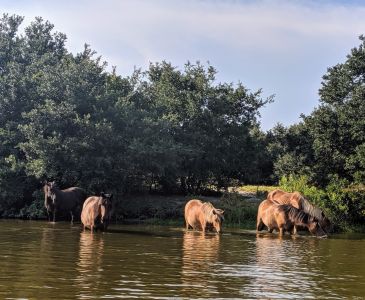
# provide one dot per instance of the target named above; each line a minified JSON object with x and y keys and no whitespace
{"x":34,"y":210}
{"x":239,"y":210}
{"x":342,"y":203}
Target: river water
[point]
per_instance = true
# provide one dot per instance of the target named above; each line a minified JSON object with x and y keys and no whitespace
{"x":40,"y":260}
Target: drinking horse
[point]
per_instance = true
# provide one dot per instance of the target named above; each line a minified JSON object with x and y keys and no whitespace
{"x":284,"y":218}
{"x":297,"y":200}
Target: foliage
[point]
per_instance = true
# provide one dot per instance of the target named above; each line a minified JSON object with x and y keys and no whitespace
{"x":344,"y":206}
{"x":64,"y":117}
{"x":168,"y":130}
{"x":239,"y":210}
{"x":290,"y":150}
{"x":35,"y":210}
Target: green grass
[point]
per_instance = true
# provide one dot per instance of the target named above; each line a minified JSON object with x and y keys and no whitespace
{"x":255,"y":188}
{"x":240,"y":210}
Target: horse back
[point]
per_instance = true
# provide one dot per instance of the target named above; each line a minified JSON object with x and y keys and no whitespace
{"x":193,"y":211}
{"x":280,"y":197}
{"x":266,"y":214}
{"x":70,"y":198}
{"x":193,"y":206}
{"x":90,"y":210}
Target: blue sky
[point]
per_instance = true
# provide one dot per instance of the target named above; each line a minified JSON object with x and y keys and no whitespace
{"x":283,"y":47}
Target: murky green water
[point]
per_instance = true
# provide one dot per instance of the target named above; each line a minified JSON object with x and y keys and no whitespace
{"x":39,"y":260}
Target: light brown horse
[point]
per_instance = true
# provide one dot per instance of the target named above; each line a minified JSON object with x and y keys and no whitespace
{"x":96,"y":212}
{"x":284,"y":218}
{"x":203,"y":216}
{"x":297,"y":200}
{"x":62,"y":201}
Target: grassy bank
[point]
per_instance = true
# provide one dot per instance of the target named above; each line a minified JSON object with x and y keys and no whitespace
{"x":343,"y":205}
{"x":240,"y":210}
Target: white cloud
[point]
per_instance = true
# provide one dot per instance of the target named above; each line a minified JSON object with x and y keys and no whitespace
{"x":282,"y":46}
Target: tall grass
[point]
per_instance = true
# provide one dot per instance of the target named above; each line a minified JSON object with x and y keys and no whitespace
{"x":239,"y":210}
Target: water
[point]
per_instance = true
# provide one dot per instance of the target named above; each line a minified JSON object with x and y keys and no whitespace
{"x":40,"y":260}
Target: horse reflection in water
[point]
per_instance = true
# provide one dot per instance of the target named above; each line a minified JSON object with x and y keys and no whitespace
{"x":90,"y":264}
{"x":280,"y":268}
{"x":200,"y":255}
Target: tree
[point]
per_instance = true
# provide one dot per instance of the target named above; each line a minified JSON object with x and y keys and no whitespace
{"x":64,"y":117}
{"x":337,"y":126}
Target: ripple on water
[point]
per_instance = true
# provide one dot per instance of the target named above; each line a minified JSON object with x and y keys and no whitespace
{"x":43,"y":261}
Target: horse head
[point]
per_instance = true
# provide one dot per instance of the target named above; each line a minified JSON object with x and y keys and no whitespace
{"x":315,"y":228}
{"x":53,"y":188}
{"x":106,"y":207}
{"x":217,"y":219}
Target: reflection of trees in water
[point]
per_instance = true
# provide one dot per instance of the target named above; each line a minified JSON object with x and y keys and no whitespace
{"x":283,"y":266}
{"x":200,"y":254}
{"x":90,"y":262}
{"x":24,"y":260}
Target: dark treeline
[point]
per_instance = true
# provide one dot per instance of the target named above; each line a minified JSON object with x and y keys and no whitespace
{"x":65,"y":117}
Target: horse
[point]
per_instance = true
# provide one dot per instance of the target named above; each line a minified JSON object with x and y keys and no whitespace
{"x":96,"y":212}
{"x":203,"y":215}
{"x":297,"y":200}
{"x":67,"y":200}
{"x":284,"y":218}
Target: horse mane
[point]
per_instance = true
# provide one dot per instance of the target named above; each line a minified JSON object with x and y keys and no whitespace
{"x":45,"y":190}
{"x":297,"y":215}
{"x":311,"y":209}
{"x":207,"y":209}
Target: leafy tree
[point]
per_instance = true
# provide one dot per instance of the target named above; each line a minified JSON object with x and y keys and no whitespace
{"x":64,"y":117}
{"x":337,"y":125}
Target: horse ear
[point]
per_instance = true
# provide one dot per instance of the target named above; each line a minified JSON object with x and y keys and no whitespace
{"x":102,"y":194}
{"x":214,"y":212}
{"x":219,"y":211}
{"x":111,"y":196}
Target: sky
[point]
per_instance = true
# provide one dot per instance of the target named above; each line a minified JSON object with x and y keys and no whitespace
{"x":283,"y":47}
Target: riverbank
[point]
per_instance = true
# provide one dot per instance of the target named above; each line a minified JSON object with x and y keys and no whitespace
{"x":239,"y":203}
{"x":240,"y":209}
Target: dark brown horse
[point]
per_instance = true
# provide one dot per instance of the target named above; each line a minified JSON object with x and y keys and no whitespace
{"x":96,"y":212}
{"x":61,"y":201}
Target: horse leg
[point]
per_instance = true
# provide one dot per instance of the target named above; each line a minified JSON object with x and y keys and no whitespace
{"x":72,"y":217}
{"x":270,"y":230}
{"x":186,"y":224}
{"x":295,"y":229}
{"x":281,"y":231}
{"x":203,"y":225}
{"x":259,"y":225}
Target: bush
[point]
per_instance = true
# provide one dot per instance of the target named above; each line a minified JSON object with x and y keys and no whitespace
{"x":34,"y":210}
{"x":342,"y":203}
{"x":239,"y":210}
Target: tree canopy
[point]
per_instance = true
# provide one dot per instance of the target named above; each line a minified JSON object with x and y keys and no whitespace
{"x":64,"y":116}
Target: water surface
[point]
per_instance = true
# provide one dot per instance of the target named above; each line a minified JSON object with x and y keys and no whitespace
{"x":40,"y":260}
